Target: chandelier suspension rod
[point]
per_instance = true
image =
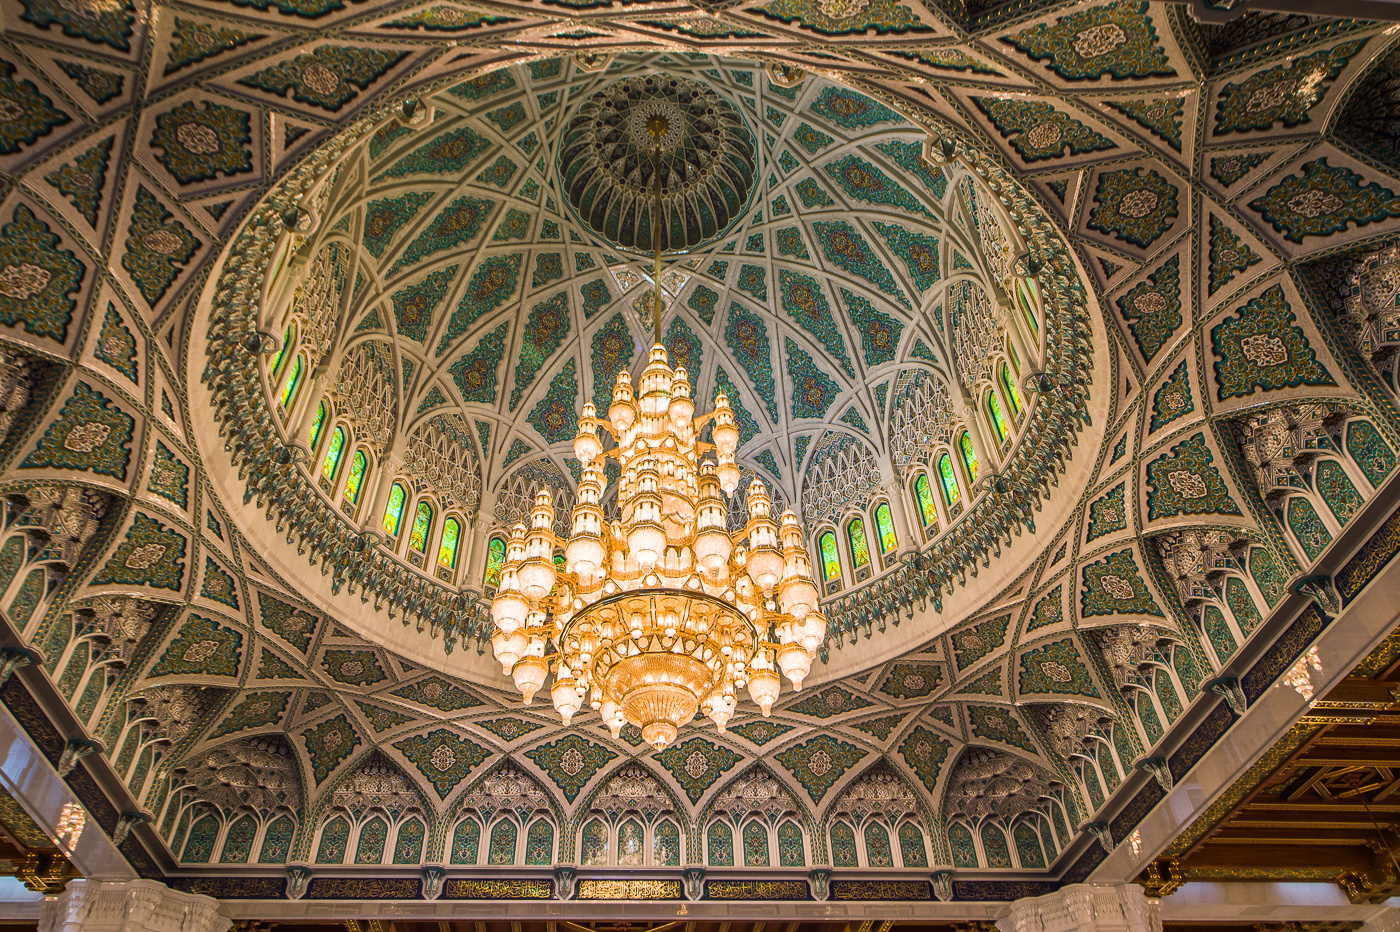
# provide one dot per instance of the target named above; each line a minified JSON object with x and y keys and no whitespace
{"x":657,"y":128}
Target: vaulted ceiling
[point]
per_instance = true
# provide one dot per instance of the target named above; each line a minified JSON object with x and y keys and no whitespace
{"x":1208,"y":210}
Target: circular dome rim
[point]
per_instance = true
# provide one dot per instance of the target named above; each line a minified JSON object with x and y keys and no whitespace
{"x":960,"y":601}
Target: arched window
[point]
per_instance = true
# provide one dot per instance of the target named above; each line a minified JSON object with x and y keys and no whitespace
{"x":792,"y":852}
{"x":911,"y":846}
{"x":539,"y":843}
{"x":949,"y":482}
{"x":408,"y":849}
{"x":1008,"y":385}
{"x":666,"y":845}
{"x":860,"y":547}
{"x":355,"y":479}
{"x":332,"y":460}
{"x":831,"y":563}
{"x":1026,"y":297}
{"x":843,"y":846}
{"x":595,"y":843}
{"x":422,"y":525}
{"x":495,"y":559}
{"x":877,"y":846}
{"x":334,"y":837}
{"x":287,"y":339}
{"x":447,"y":548}
{"x":314,"y":436}
{"x":370,"y":849}
{"x":755,"y":844}
{"x":465,"y":840}
{"x":289,"y":389}
{"x":923,"y":495}
{"x":719,"y":845}
{"x":631,"y":844}
{"x":969,"y":456}
{"x":995,"y":417}
{"x":884,"y":529}
{"x":393,"y":511}
{"x":503,"y":835}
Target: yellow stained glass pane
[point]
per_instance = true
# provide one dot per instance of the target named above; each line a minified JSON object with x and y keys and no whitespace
{"x":422,"y":524}
{"x":355,"y":480}
{"x":860,"y":548}
{"x":447,"y":548}
{"x":332,"y":461}
{"x":884,"y":527}
{"x":969,"y":456}
{"x":925,"y":497}
{"x":393,"y":511}
{"x":950,"y":482}
{"x":831,"y":563}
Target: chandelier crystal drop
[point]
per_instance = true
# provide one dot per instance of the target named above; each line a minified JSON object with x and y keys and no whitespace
{"x":662,"y":613}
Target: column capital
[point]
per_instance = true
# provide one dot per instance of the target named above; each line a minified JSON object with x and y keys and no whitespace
{"x":133,"y":906}
{"x":1086,"y":907}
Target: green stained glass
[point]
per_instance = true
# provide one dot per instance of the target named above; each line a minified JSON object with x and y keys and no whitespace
{"x":1008,"y":385}
{"x":289,"y":390}
{"x":860,"y":549}
{"x":1026,"y":294}
{"x":447,"y":550}
{"x":969,"y":456}
{"x":884,"y":525}
{"x":831,"y":563}
{"x":924,"y":494}
{"x":316,"y":426}
{"x":356,"y":479}
{"x":666,"y":845}
{"x":393,"y":512}
{"x":950,"y":482}
{"x":495,"y":559}
{"x":422,"y":524}
{"x":282,"y":353}
{"x":332,"y":461}
{"x":997,"y":418}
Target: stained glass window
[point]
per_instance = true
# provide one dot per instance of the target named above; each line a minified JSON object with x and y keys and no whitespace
{"x":447,"y":550}
{"x":924,"y":495}
{"x":719,"y":844}
{"x":843,"y":846}
{"x":539,"y":843}
{"x":755,"y":844}
{"x":332,"y":461}
{"x":911,"y":846}
{"x":831,"y":563}
{"x":631,"y":850}
{"x":287,"y":339}
{"x":595,"y":843}
{"x":464,"y":842}
{"x":355,"y":480}
{"x":422,"y":524}
{"x":316,"y":425}
{"x":289,"y":390}
{"x":334,"y":837}
{"x":1026,"y":295}
{"x":408,"y":848}
{"x":393,"y":512}
{"x":666,"y":845}
{"x":503,"y":835}
{"x":495,"y":559}
{"x":877,"y":846}
{"x":791,"y":851}
{"x":1008,"y":385}
{"x":370,"y":850}
{"x":969,"y":456}
{"x":948,"y":480}
{"x":860,"y":549}
{"x":884,"y":527}
{"x":997,"y":419}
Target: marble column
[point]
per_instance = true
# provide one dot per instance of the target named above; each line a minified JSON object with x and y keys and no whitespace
{"x":132,"y":906}
{"x":1086,"y":907}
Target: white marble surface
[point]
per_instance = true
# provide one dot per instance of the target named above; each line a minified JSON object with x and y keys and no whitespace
{"x":27,"y":776}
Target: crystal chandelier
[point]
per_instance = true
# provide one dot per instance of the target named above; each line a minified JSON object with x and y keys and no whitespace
{"x":662,"y":613}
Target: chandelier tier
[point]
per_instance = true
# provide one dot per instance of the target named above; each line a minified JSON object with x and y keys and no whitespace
{"x":662,"y":613}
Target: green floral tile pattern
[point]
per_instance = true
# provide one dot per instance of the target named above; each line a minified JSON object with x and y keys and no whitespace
{"x":1055,"y":668}
{"x":1107,"y":514}
{"x":924,"y":752}
{"x":90,"y":434}
{"x":1282,"y":94}
{"x":200,"y":143}
{"x":328,"y":744}
{"x":697,"y":763}
{"x":1185,"y":481}
{"x":1037,"y":131}
{"x":1136,"y":205}
{"x":819,"y":762}
{"x":1117,"y":39}
{"x":1113,"y":586}
{"x":443,"y":757}
{"x":1261,"y":348}
{"x":202,"y":647}
{"x":328,"y":77}
{"x":1324,"y":200}
{"x":570,"y":762}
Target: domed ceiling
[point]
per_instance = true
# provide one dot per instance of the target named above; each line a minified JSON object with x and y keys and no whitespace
{"x":475,"y":275}
{"x":1210,"y":403}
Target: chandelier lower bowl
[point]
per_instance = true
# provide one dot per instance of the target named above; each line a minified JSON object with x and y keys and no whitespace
{"x":660,"y":692}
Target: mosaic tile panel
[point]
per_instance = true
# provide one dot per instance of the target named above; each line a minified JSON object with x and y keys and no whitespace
{"x":819,"y":762}
{"x":443,"y":757}
{"x":697,"y":763}
{"x":1261,"y":348}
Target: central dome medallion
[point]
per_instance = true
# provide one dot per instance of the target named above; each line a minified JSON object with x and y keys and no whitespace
{"x":708,"y":162}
